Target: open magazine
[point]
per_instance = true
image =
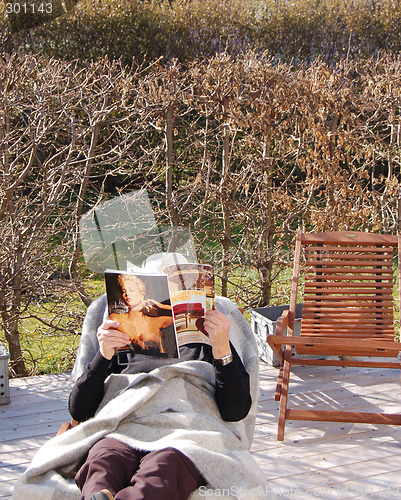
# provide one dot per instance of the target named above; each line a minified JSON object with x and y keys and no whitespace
{"x":161,"y":311}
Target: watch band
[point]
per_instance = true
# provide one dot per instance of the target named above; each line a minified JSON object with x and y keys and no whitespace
{"x":225,"y":360}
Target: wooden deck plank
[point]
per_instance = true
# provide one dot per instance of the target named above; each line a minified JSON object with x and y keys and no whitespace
{"x":331,"y":460}
{"x":37,"y":408}
{"x":316,"y":460}
{"x":349,"y":478}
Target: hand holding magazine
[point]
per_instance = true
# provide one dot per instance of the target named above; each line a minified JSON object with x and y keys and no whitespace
{"x":161,"y":311}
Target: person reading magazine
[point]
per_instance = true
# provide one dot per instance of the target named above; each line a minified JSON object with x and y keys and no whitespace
{"x":114,"y":470}
{"x":154,"y":425}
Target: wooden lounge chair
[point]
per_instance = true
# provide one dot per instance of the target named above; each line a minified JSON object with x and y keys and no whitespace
{"x":93,"y":319}
{"x":347,"y":313}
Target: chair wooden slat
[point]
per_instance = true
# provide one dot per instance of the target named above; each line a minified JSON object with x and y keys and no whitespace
{"x":347,"y":305}
{"x":319,"y":350}
{"x":346,"y":293}
{"x":353,"y":250}
{"x":326,"y":312}
{"x":349,"y":238}
{"x":386,"y":286}
{"x":349,"y":260}
{"x":352,"y":292}
{"x":341,"y":322}
{"x":335,"y":416}
{"x":358,"y":331}
{"x":367,"y":343}
{"x":373,"y":273}
{"x":342,"y":333}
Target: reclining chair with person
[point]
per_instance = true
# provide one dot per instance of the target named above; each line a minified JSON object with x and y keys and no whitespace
{"x":152,"y":426}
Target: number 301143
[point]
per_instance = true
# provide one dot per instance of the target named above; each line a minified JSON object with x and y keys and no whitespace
{"x":29,"y":8}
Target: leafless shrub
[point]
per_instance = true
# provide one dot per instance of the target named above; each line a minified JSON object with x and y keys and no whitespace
{"x":243,"y":151}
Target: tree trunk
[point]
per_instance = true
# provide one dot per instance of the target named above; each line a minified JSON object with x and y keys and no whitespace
{"x":169,"y":167}
{"x":10,"y":325}
{"x":77,"y":239}
{"x":390,"y":172}
{"x":265,"y":260}
{"x":225,"y":198}
{"x":11,"y":305}
{"x":11,"y":311}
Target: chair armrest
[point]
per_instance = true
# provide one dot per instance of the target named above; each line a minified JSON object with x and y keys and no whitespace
{"x":282,"y":322}
{"x":65,"y":426}
{"x":281,"y":325}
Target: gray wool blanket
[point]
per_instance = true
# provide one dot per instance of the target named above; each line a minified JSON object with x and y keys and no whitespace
{"x":172,"y":406}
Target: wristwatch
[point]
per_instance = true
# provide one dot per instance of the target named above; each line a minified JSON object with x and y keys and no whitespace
{"x":224,"y":360}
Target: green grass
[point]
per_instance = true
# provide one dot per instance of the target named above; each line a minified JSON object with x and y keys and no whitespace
{"x":50,"y":345}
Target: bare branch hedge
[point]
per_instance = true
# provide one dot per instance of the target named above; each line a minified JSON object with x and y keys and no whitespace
{"x":242,"y":150}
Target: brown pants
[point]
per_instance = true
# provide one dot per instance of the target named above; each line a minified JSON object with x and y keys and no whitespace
{"x":131,"y":474}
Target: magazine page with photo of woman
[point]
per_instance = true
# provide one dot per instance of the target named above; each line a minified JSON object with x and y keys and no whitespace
{"x":140,"y":303}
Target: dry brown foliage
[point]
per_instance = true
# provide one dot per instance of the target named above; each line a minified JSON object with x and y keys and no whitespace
{"x":243,"y":151}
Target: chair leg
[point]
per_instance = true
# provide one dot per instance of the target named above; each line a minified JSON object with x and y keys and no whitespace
{"x":284,"y":393}
{"x":277,"y":394}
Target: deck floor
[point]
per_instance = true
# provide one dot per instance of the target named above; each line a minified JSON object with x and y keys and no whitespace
{"x":316,"y":459}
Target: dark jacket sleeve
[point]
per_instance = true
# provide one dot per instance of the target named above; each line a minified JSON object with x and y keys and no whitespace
{"x":88,"y":391}
{"x":233,"y":396}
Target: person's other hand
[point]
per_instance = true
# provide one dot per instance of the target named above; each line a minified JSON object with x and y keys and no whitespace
{"x":110,"y":338}
{"x":217,"y":326}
